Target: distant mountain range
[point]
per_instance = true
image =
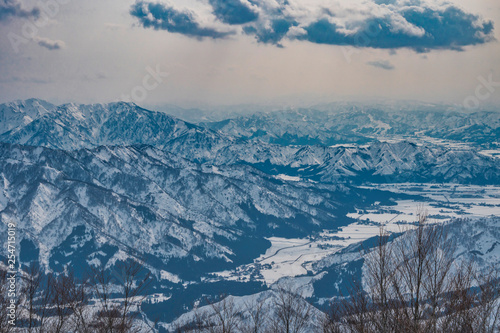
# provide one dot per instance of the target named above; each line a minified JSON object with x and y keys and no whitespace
{"x":311,"y":127}
{"x":72,"y":127}
{"x":98,"y":125}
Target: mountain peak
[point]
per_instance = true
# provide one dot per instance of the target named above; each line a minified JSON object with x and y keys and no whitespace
{"x":72,"y":126}
{"x":22,"y":112}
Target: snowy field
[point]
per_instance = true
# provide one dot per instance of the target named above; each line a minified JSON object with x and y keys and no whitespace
{"x":444,"y":201}
{"x":295,"y":257}
{"x":491,"y":153}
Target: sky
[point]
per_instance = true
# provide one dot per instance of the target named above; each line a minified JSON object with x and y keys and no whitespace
{"x":196,"y":53}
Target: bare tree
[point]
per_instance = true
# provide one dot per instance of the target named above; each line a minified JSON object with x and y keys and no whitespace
{"x":107,"y":316}
{"x":118,"y":314}
{"x":5,"y":326}
{"x":473,"y":302}
{"x":487,"y":312}
{"x":411,"y":257}
{"x":423,"y":258}
{"x":410,"y":287}
{"x":200,"y":322}
{"x":78,"y":301}
{"x":35,"y":298}
{"x":380,"y":278}
{"x":32,"y":281}
{"x":257,"y":319}
{"x":353,"y":313}
{"x":460,"y":300}
{"x":292,"y":312}
{"x":333,"y":320}
{"x":225,"y":316}
{"x":68,"y":305}
{"x":133,"y":286}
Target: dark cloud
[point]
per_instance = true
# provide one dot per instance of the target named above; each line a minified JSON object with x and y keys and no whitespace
{"x":325,"y":32}
{"x":273,"y":35}
{"x":382,"y":24}
{"x":233,"y":11}
{"x":161,"y":17}
{"x":450,"y":28}
{"x":383,"y":64}
{"x":50,"y":44}
{"x":12,"y":8}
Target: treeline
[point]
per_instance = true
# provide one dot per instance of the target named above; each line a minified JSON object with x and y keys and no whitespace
{"x":49,"y":303}
{"x":411,"y":284}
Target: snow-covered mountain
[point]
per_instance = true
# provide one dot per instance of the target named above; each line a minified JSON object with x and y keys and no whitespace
{"x":377,"y":162}
{"x":143,"y":200}
{"x":21,"y":113}
{"x":96,"y":184}
{"x":361,"y":125}
{"x":72,"y":126}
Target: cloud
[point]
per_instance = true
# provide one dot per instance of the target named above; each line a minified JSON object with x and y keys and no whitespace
{"x":12,"y":8}
{"x":383,"y":64}
{"x":384,"y":24}
{"x":233,"y":11}
{"x":273,"y":34}
{"x":450,"y":28}
{"x":28,"y":79}
{"x":163,"y":17}
{"x":50,"y":44}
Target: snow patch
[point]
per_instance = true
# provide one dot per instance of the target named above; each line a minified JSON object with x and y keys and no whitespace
{"x":164,"y":275}
{"x":288,"y":178}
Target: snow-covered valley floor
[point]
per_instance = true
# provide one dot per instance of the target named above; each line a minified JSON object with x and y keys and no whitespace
{"x":296,"y":257}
